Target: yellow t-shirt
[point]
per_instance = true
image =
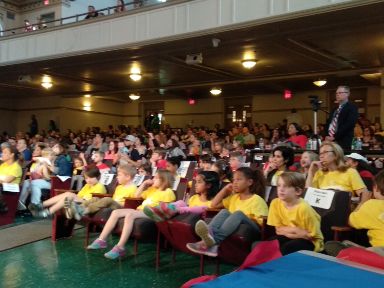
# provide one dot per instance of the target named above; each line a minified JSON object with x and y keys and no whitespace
{"x":349,"y":180}
{"x":302,"y":216}
{"x":153,"y":197}
{"x":87,"y":190}
{"x":11,"y":170}
{"x":370,"y":216}
{"x":195,"y":201}
{"x":253,"y":207}
{"x":275,"y":177}
{"x":121,"y":192}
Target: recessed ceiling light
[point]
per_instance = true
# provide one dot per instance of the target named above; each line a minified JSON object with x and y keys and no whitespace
{"x":134,"y":97}
{"x":320,"y":82}
{"x":135,"y":76}
{"x":215,"y":91}
{"x":46,"y":82}
{"x":249,"y":63}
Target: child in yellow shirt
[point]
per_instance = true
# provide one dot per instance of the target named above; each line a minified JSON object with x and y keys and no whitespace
{"x":50,"y":206}
{"x":242,"y":204}
{"x":368,"y":215}
{"x":126,"y":188}
{"x":297,"y":224}
{"x":206,"y":187}
{"x":153,"y":192}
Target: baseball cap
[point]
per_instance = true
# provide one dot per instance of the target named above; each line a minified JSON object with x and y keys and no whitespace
{"x":357,"y":156}
{"x":130,"y":138}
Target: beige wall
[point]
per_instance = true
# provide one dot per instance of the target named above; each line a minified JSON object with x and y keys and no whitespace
{"x":272,"y":108}
{"x":206,"y":112}
{"x":68,"y":114}
{"x":373,"y":103}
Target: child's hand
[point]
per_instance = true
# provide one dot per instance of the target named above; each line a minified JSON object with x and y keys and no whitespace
{"x":228,"y":189}
{"x":81,"y":155}
{"x":148,"y":182}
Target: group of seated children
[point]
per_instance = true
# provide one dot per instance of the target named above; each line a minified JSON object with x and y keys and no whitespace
{"x":297,"y":224}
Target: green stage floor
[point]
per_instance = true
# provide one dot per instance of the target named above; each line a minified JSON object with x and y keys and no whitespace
{"x":67,"y":264}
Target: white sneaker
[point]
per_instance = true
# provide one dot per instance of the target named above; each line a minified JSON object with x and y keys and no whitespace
{"x":202,"y":229}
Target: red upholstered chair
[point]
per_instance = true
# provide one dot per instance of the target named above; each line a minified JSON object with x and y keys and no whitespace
{"x":61,"y":226}
{"x":11,"y":200}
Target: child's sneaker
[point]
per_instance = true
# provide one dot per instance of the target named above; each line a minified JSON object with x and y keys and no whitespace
{"x":115,"y":253}
{"x":201,"y":229}
{"x":97,"y":244}
{"x":201,"y":248}
{"x":42,"y":214}
{"x":153,"y":213}
{"x":35,"y":209}
{"x":67,"y":208}
{"x":168,"y":209}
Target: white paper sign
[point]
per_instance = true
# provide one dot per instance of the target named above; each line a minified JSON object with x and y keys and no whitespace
{"x":183,"y":169}
{"x":319,"y":198}
{"x":176,"y":183}
{"x":11,"y":187}
{"x":138,"y":179}
{"x":106,"y":178}
{"x":63,"y":178}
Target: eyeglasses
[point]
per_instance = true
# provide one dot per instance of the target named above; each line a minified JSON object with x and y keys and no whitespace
{"x":324,"y":152}
{"x":342,"y":92}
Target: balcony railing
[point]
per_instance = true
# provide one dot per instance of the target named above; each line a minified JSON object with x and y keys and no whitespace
{"x":114,"y":10}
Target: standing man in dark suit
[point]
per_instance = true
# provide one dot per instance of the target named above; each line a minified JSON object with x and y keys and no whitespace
{"x":342,"y":120}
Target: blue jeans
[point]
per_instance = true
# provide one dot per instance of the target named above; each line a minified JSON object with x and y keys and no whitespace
{"x":36,"y":186}
{"x":225,"y":223}
{"x":25,"y":190}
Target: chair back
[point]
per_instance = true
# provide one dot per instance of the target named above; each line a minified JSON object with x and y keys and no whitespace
{"x":57,"y":183}
{"x":270,"y":194}
{"x":333,"y":206}
{"x":181,"y":189}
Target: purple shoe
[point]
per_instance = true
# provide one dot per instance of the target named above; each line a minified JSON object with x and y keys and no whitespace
{"x":168,"y":210}
{"x":115,"y":253}
{"x":97,"y":244}
{"x":201,"y":248}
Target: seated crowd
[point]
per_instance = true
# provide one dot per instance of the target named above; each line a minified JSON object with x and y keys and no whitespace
{"x":223,"y":181}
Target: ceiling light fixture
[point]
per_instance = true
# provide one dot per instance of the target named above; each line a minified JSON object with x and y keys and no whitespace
{"x":135,"y":76}
{"x":249,"y":63}
{"x":215,"y":91}
{"x":320,"y":82}
{"x":46,"y":82}
{"x":135,"y":73}
{"x":87,"y":95}
{"x":134,"y":97}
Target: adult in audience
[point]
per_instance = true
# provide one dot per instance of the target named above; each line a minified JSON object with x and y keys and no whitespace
{"x":23,"y":150}
{"x":10,"y":170}
{"x":361,"y":164}
{"x":342,"y":120}
{"x":249,"y":139}
{"x":296,"y":136}
{"x":120,"y":6}
{"x":282,"y":159}
{"x":92,"y":13}
{"x":331,"y":172}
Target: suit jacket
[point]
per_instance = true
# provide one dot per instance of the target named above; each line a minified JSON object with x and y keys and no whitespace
{"x":345,"y":125}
